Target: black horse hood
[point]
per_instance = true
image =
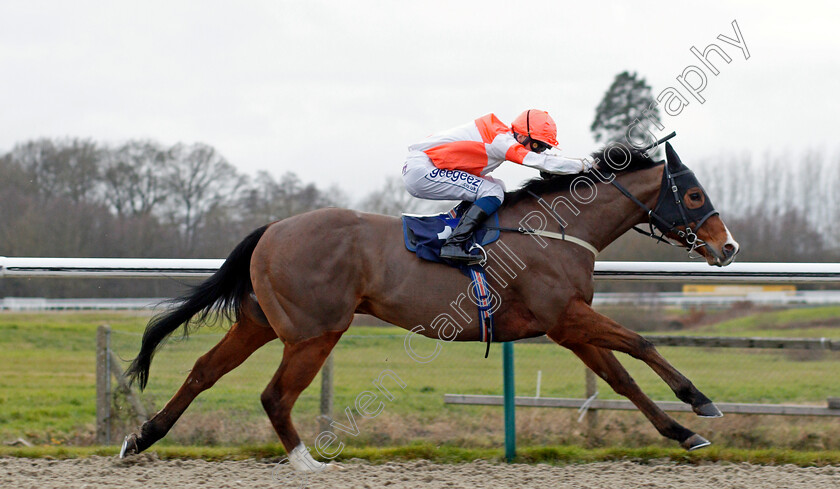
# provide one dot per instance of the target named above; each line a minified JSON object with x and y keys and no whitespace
{"x":682,"y":200}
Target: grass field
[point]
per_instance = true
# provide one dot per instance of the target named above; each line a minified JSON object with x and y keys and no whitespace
{"x":47,"y":386}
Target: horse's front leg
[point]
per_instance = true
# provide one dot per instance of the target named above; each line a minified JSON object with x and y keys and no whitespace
{"x":585,"y":326}
{"x":606,"y":366}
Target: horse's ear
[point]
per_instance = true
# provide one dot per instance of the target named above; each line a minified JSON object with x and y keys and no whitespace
{"x":671,"y":157}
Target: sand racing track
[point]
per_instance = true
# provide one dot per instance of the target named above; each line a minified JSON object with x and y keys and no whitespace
{"x":147,"y":471}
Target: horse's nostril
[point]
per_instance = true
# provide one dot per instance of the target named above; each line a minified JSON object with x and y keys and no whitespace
{"x":729,"y":249}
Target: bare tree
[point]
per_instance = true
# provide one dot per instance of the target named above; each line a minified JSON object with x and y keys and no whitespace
{"x":134,"y":177}
{"x":392,"y":199}
{"x":18,"y":198}
{"x":268,"y":199}
{"x":63,"y":168}
{"x":200,"y":181}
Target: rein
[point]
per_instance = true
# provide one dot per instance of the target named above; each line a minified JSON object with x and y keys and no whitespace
{"x":658,"y":217}
{"x":689,"y":235}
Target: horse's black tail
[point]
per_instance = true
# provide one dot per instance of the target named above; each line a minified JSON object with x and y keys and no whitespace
{"x":221,"y":293}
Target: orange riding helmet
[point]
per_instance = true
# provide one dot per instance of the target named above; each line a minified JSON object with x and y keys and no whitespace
{"x":537,"y":125}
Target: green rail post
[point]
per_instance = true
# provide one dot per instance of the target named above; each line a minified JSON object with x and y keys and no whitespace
{"x":510,"y":393}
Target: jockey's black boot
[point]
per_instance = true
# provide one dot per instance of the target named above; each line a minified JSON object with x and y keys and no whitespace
{"x":453,"y":248}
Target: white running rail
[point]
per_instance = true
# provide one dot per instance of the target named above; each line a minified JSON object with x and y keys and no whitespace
{"x":604,"y":270}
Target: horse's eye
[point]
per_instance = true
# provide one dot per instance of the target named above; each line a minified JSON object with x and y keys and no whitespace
{"x":695,"y":196}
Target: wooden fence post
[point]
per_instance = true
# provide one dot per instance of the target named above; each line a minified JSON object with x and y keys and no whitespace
{"x":325,"y":418}
{"x":103,"y":385}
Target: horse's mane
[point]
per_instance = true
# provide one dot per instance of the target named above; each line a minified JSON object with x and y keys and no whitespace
{"x":558,"y":183}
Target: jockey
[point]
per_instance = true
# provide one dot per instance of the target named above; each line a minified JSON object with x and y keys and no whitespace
{"x":454,"y":165}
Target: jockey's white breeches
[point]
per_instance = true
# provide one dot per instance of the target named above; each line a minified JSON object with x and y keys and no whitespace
{"x":425,"y":181}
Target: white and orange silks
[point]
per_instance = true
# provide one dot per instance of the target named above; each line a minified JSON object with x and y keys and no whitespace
{"x":454,"y":164}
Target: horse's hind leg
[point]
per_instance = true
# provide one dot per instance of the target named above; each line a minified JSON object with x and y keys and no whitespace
{"x":301,"y":362}
{"x":600,"y":331}
{"x":243,"y":338}
{"x":606,"y":366}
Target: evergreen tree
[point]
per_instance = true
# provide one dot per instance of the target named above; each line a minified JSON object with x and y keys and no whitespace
{"x":628,"y":98}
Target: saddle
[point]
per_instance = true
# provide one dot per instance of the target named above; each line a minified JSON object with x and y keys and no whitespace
{"x":425,"y":235}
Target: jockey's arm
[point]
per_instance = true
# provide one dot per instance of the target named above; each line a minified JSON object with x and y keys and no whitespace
{"x":548,"y":162}
{"x":557,"y":164}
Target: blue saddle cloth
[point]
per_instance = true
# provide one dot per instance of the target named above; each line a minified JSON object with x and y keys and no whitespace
{"x":425,"y":235}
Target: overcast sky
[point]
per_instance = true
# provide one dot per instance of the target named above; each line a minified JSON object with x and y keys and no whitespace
{"x":336,"y":91}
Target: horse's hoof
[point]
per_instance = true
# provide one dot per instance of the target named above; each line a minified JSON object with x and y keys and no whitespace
{"x":129,"y":446}
{"x":694,"y":442}
{"x":708,"y":410}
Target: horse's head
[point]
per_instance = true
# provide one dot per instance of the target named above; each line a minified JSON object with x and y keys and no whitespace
{"x":685,"y":214}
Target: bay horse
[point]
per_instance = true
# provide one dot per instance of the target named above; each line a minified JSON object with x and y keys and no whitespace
{"x":302,"y":280}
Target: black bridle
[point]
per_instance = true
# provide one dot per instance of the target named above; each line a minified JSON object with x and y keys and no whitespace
{"x":670,"y":215}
